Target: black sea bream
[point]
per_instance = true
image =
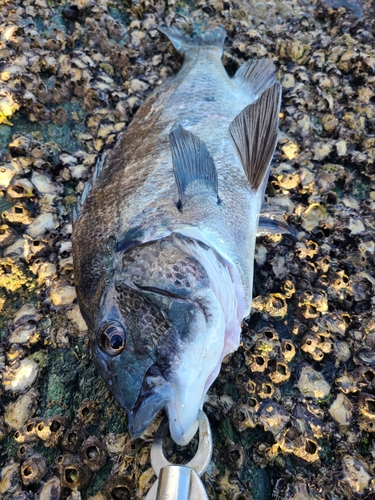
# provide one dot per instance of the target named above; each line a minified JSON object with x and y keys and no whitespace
{"x":164,"y":242}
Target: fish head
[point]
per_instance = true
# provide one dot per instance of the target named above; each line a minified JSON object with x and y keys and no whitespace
{"x":159,"y":345}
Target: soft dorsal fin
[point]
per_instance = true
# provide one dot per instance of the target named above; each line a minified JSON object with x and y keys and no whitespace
{"x":257,"y":75}
{"x":193,"y":166}
{"x":254,"y":134}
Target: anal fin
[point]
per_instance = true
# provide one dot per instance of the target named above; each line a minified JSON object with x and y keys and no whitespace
{"x":193,"y":166}
{"x":254,"y":134}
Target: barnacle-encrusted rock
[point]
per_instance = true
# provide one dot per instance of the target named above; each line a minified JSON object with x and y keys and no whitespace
{"x":312,"y":384}
{"x":33,"y":469}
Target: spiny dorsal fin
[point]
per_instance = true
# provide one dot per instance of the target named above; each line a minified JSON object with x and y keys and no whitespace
{"x":87,"y":187}
{"x":258,"y":74}
{"x":254,"y":134}
{"x":193,"y":166}
{"x":211,"y":38}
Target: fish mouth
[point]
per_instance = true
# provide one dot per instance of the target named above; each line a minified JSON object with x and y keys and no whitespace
{"x":155,"y":393}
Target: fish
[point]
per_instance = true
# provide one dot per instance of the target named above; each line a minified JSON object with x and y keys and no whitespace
{"x":164,"y":240}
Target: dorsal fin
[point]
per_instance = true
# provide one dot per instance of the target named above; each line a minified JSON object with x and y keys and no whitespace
{"x":193,"y":166}
{"x":258,"y":75}
{"x":254,"y":133}
{"x":87,"y":187}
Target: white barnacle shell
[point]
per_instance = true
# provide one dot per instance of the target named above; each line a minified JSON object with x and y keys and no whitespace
{"x":42,"y":223}
{"x":21,"y":410}
{"x":43,"y":183}
{"x":62,"y":294}
{"x":312,"y":384}
{"x":7,"y":172}
{"x":21,"y":376}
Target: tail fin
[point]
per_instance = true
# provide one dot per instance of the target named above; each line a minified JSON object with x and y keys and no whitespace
{"x":211,"y":38}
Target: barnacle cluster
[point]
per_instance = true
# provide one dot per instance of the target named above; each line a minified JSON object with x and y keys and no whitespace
{"x":293,"y":410}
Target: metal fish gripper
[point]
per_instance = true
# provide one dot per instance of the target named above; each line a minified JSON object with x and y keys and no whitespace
{"x":180,"y":482}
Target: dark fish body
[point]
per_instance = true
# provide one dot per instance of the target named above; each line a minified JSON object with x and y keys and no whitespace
{"x":164,"y":243}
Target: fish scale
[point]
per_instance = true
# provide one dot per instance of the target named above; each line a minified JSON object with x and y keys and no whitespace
{"x":185,"y":182}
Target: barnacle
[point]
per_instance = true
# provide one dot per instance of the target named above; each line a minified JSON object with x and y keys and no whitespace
{"x":51,"y":430}
{"x":62,"y":293}
{"x":10,"y":479}
{"x":18,"y":215}
{"x":20,"y":376}
{"x":18,"y":412}
{"x":118,"y":485}
{"x":19,"y":189}
{"x":354,"y":477}
{"x":7,"y":235}
{"x":273,"y":417}
{"x":88,"y":412}
{"x":75,"y":475}
{"x":50,"y":489}
{"x":235,"y":456}
{"x":33,"y":469}
{"x":341,"y":410}
{"x":93,"y":453}
{"x":245,"y":416}
{"x":312,"y":384}
{"x":27,"y":432}
{"x":73,"y":439}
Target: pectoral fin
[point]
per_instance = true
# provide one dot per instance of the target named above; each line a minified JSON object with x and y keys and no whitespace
{"x":193,"y":166}
{"x":254,"y":133}
{"x":271,"y":226}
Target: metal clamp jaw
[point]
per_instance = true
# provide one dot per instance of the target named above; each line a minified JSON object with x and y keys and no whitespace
{"x":181,"y":482}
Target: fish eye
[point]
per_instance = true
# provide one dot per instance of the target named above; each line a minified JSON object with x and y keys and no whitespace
{"x":112,"y":338}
